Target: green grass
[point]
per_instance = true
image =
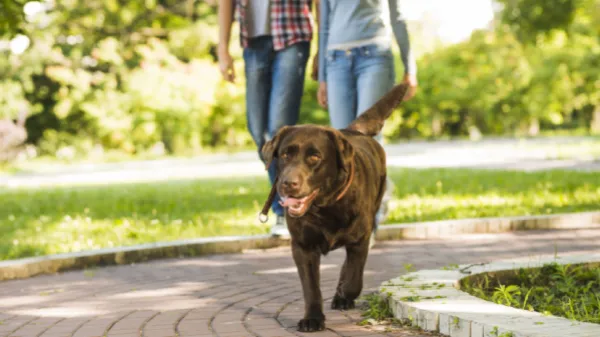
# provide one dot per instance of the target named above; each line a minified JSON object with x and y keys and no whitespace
{"x":66,"y":219}
{"x":570,"y":291}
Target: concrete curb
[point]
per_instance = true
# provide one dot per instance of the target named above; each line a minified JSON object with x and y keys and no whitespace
{"x":431,"y":300}
{"x":446,"y":228}
{"x":28,"y":267}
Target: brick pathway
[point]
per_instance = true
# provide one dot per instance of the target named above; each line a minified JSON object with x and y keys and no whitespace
{"x":252,"y":294}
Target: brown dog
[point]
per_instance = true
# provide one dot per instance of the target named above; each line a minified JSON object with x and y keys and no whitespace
{"x":331,"y":184}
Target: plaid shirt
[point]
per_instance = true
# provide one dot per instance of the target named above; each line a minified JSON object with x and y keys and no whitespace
{"x":291,"y":22}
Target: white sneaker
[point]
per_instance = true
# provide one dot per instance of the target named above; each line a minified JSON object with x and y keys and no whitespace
{"x":280,"y":228}
{"x":372,"y":240}
{"x":384,"y":210}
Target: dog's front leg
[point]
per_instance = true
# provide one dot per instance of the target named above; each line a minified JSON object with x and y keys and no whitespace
{"x":307,"y":262}
{"x":351,"y":276}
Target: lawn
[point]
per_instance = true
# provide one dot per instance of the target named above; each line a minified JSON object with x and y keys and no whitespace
{"x":54,"y":220}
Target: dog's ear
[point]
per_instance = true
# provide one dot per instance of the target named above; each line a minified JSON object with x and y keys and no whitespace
{"x":344,"y":150}
{"x":371,"y":121}
{"x":269,"y":150}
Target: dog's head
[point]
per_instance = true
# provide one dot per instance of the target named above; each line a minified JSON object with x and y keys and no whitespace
{"x":313,"y":164}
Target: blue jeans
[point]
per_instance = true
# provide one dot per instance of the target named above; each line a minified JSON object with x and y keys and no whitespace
{"x":274,"y":88}
{"x":356,"y":79}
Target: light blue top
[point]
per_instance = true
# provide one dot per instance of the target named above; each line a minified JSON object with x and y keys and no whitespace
{"x":345,"y":24}
{"x":258,"y":16}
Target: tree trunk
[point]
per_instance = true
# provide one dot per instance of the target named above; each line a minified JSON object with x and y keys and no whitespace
{"x":534,"y":127}
{"x":436,"y":126}
{"x":595,"y":122}
{"x":474,"y":133}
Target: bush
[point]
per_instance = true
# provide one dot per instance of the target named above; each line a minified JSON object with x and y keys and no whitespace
{"x":137,"y":79}
{"x":493,"y":84}
{"x":126,"y":98}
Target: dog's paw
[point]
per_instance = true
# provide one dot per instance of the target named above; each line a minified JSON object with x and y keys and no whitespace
{"x":311,"y":324}
{"x":340,"y":303}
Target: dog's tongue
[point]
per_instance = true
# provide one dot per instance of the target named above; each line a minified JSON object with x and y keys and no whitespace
{"x":287,"y":202}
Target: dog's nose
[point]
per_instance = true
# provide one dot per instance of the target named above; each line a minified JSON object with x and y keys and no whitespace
{"x":291,"y":182}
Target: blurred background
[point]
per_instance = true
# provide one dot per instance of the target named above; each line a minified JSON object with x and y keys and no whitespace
{"x":105,"y":80}
{"x":117,"y":129}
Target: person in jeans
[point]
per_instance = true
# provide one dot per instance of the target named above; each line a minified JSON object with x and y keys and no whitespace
{"x":356,"y":65}
{"x":275,"y":36}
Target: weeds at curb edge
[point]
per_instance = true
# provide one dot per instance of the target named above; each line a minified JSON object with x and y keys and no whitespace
{"x":494,"y":333}
{"x":376,"y":312}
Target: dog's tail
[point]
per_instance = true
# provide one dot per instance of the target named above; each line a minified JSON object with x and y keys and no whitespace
{"x":371,"y":121}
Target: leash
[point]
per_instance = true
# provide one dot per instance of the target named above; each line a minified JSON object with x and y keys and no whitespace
{"x":263,"y":216}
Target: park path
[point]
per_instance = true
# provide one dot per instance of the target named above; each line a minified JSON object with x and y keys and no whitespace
{"x":529,"y":155}
{"x":255,"y":293}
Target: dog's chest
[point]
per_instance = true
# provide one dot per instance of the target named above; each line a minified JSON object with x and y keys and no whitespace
{"x":319,"y":236}
{"x":337,"y":240}
{"x":331,"y":238}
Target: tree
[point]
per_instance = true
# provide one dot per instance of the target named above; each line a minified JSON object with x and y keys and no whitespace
{"x":563,"y":39}
{"x":123,"y":75}
{"x":11,"y":17}
{"x":530,"y":18}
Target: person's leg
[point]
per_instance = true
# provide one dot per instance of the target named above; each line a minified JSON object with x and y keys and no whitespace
{"x":376,"y":76}
{"x":257,"y":68}
{"x":258,"y":61}
{"x":288,"y":74}
{"x":341,"y":88}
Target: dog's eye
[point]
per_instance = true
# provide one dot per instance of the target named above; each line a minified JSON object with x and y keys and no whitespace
{"x":314,"y":159}
{"x":284,"y":156}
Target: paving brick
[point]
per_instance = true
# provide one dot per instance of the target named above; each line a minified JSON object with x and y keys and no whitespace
{"x":253,"y":294}
{"x":131,"y":324}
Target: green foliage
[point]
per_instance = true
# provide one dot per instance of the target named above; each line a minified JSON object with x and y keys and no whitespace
{"x":537,"y":69}
{"x":533,"y":17}
{"x":493,"y":84}
{"x":464,"y":87}
{"x":378,"y":307}
{"x":11,"y":16}
{"x":136,"y":76}
{"x":66,"y":219}
{"x":495,"y":333}
{"x":569,"y":291}
{"x":124,"y":76}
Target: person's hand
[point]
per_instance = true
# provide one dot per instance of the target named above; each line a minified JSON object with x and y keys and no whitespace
{"x":226,"y":66}
{"x":411,"y":80}
{"x":315,"y":68}
{"x":322,"y":94}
